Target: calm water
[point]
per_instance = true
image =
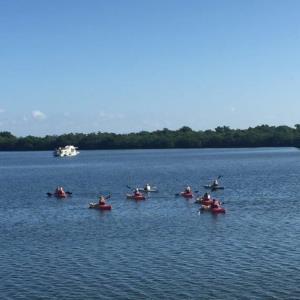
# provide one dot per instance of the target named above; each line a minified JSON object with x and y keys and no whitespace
{"x":160,"y":248}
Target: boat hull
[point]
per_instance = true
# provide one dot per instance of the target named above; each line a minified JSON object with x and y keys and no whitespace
{"x":135,"y":197}
{"x":100,"y":207}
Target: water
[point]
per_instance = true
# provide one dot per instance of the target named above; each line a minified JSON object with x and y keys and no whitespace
{"x":161,"y":248}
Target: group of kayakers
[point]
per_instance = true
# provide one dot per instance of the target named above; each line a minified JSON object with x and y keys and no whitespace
{"x":206,"y":201}
{"x":137,"y":195}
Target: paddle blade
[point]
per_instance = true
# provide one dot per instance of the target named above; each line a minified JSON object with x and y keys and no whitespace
{"x":49,"y":194}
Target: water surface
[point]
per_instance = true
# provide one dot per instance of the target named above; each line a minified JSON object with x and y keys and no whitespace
{"x":160,"y":248}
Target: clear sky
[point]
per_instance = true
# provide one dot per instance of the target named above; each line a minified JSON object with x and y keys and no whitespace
{"x":122,"y":65}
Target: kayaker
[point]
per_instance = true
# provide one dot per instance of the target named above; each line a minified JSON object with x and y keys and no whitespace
{"x":59,"y":191}
{"x":137,"y":192}
{"x":215,"y":204}
{"x":188,"y":189}
{"x":147,"y":187}
{"x":102,"y":200}
{"x":215,"y":183}
{"x":206,"y":196}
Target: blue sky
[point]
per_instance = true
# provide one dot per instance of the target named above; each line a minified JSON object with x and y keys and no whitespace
{"x":122,"y":66}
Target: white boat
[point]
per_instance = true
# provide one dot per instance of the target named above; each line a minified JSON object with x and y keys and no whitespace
{"x":66,"y":151}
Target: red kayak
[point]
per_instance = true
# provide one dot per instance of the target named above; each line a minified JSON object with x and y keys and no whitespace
{"x":218,"y":210}
{"x":206,"y":201}
{"x":105,"y":207}
{"x":100,"y":206}
{"x":205,"y":208}
{"x":60,"y":195}
{"x":187,"y":195}
{"x":136,"y":197}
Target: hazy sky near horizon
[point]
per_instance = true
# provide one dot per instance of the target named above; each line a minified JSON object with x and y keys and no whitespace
{"x":123,"y":65}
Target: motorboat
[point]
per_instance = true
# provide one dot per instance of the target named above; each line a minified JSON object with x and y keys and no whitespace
{"x":66,"y":151}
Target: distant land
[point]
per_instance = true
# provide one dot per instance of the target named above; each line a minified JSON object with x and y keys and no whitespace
{"x":185,"y":137}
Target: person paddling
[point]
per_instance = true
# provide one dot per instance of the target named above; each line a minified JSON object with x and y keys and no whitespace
{"x":137,"y":192}
{"x":188,"y":189}
{"x":215,"y":204}
{"x":215,"y":183}
{"x":60,"y":191}
{"x":206,"y":196}
{"x":102,"y":200}
{"x":147,"y":187}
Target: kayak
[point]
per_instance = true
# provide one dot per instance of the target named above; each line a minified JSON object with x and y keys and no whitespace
{"x":187,"y":195}
{"x":135,"y":197}
{"x":209,"y":186}
{"x":101,"y":207}
{"x":204,"y":201}
{"x":205,"y":207}
{"x":219,"y":210}
{"x":60,"y":195}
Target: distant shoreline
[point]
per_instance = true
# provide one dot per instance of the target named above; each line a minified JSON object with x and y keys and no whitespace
{"x":183,"y":138}
{"x":135,"y":149}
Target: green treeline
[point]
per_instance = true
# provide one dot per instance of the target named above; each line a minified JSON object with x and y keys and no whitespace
{"x":185,"y":137}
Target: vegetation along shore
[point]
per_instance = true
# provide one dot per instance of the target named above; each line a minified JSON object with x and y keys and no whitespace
{"x":185,"y":137}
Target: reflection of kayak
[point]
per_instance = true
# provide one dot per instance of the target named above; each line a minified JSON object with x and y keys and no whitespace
{"x":101,"y":207}
{"x":135,"y":197}
{"x":218,"y":210}
{"x":209,"y":186}
{"x":187,"y":195}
